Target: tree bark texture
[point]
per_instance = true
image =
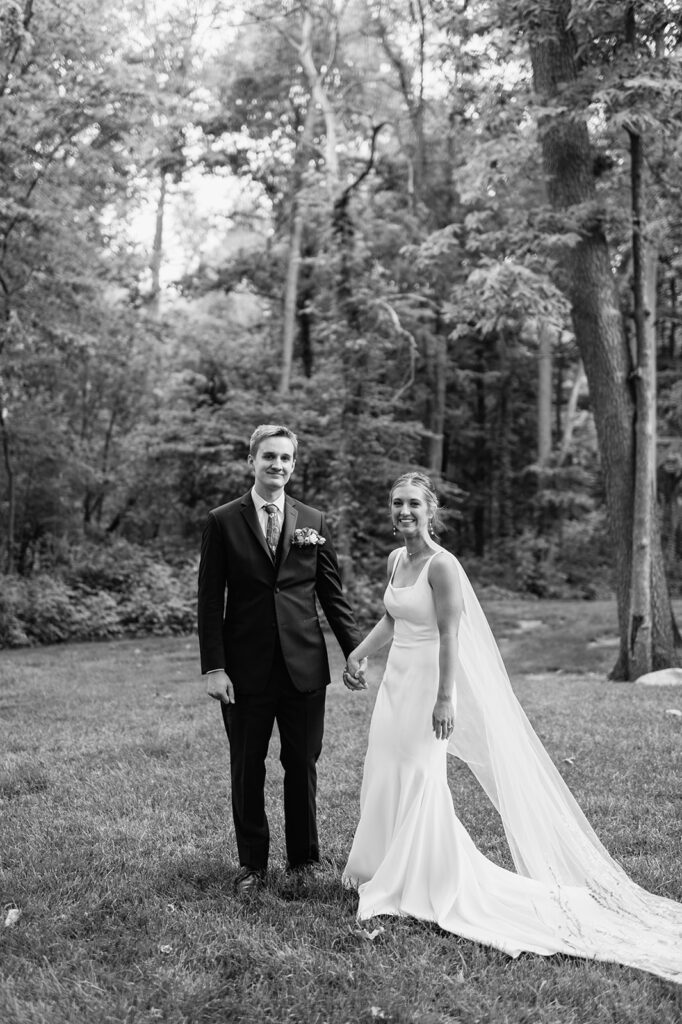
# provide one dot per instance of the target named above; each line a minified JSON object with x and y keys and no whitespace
{"x":544,"y":394}
{"x":436,"y":357}
{"x":294,"y":258}
{"x":570,"y":415}
{"x":597,"y":320}
{"x":639,"y":639}
{"x":11,"y":493}
{"x":291,"y":295}
{"x":157,"y":247}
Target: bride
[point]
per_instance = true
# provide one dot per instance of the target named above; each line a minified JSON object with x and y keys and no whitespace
{"x":445,"y":681}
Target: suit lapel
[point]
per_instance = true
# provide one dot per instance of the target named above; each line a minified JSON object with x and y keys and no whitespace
{"x":290,"y":517}
{"x":251,"y":516}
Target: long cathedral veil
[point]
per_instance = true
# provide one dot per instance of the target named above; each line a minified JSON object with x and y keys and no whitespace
{"x":549,"y":837}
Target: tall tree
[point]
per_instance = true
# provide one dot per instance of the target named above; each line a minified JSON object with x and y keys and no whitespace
{"x":569,"y":165}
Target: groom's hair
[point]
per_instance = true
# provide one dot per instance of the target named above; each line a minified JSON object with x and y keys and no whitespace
{"x":266,"y":430}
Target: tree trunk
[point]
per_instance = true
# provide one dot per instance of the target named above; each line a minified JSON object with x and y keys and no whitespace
{"x":11,"y":493}
{"x":672,"y":330}
{"x":504,"y":447}
{"x":567,"y":158}
{"x":481,"y":474}
{"x":569,"y":421}
{"x":294,"y":259}
{"x":291,"y":295}
{"x":157,"y":248}
{"x":544,"y":394}
{"x":436,"y":348}
{"x":639,"y":638}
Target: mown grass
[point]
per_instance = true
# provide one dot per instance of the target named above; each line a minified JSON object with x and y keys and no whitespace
{"x":117,"y":847}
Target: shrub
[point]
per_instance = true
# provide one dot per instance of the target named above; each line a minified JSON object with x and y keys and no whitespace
{"x":104,"y":592}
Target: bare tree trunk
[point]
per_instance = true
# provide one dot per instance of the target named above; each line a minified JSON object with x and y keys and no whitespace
{"x":481,"y":475}
{"x":294,"y":259}
{"x":291,"y":296}
{"x":11,"y":493}
{"x":570,"y":417}
{"x":437,"y":363}
{"x":544,"y":394}
{"x":640,"y":629}
{"x":157,"y":248}
{"x":502,"y":507}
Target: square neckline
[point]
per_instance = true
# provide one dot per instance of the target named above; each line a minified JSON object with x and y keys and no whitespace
{"x":419,"y":576}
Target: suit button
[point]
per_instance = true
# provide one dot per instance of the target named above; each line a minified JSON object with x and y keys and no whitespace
{"x":277,"y":590}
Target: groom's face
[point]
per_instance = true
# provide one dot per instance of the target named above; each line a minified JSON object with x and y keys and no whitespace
{"x":272,"y":465}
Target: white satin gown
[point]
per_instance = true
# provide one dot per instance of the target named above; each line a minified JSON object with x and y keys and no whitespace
{"x":412,"y":856}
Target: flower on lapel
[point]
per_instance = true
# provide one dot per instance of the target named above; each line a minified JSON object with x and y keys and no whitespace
{"x":305,"y":537}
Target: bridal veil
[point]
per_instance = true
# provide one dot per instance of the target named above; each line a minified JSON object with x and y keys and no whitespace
{"x":549,"y":837}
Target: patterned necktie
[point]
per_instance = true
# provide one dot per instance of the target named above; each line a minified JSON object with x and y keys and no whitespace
{"x":273,"y":531}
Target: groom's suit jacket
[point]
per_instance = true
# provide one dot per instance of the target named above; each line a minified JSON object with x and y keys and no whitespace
{"x":249,"y":603}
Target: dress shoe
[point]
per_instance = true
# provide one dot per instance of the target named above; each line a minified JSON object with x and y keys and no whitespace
{"x":249,"y":880}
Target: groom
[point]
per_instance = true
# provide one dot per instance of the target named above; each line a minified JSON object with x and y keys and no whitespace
{"x":264,"y":559}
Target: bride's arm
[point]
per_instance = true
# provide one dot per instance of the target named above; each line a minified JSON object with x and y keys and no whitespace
{"x":380,"y":635}
{"x":447,"y":595}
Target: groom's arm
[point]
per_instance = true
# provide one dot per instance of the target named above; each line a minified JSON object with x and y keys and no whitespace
{"x":211,"y":596}
{"x":329,"y":590}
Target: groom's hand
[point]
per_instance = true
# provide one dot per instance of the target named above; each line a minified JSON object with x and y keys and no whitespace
{"x":220,"y":687}
{"x":354,"y":673}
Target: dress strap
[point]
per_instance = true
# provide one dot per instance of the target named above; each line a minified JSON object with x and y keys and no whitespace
{"x":403,"y":551}
{"x":395,"y":566}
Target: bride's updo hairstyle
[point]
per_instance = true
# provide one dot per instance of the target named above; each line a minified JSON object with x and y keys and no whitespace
{"x":422,"y":481}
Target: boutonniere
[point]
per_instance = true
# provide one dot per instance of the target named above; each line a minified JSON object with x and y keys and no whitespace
{"x":305,"y":537}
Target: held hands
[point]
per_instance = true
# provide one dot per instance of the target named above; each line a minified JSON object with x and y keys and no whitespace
{"x":219,"y":686}
{"x":354,"y":673}
{"x":443,"y":718}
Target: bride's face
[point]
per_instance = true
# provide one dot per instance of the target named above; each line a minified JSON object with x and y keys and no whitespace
{"x":410,"y":511}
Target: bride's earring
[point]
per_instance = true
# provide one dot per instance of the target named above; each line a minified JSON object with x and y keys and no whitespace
{"x":395,"y":529}
{"x":431,"y":529}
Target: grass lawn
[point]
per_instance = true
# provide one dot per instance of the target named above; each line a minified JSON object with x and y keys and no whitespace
{"x":117,"y":846}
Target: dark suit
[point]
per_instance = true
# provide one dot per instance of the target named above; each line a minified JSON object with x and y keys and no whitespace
{"x":258,"y":620}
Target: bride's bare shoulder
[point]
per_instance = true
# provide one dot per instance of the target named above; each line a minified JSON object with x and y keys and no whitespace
{"x":443,"y":570}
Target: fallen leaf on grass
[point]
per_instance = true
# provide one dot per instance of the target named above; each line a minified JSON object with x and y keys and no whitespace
{"x":165,"y":950}
{"x":569,"y":760}
{"x":376,"y":1011}
{"x":370,"y":935}
{"x":13,"y":915}
{"x":673,"y":711}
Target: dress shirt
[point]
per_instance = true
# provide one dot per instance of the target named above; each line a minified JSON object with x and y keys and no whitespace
{"x":259,"y":502}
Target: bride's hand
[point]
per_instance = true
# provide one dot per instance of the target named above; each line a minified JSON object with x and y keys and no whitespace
{"x":354,"y":673}
{"x":443,"y":719}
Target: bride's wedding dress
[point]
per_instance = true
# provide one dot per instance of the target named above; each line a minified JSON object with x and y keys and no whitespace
{"x":412,"y":856}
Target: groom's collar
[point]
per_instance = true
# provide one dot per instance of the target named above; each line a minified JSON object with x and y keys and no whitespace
{"x":259,"y":501}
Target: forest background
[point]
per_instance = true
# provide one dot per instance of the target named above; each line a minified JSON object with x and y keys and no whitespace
{"x":420,"y":233}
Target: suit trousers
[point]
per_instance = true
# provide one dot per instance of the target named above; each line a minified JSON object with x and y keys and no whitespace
{"x":249,"y":723}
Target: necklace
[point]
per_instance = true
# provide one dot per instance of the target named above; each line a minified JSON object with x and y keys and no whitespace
{"x":419,"y":551}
